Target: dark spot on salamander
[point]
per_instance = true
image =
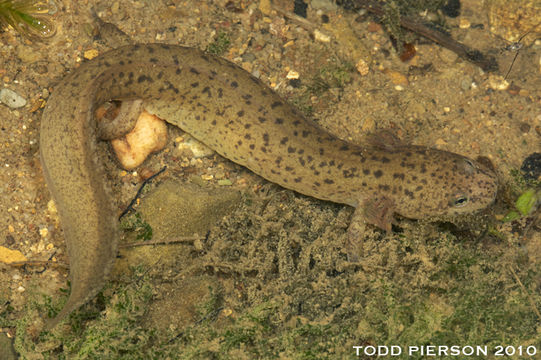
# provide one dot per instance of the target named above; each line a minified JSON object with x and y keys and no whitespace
{"x":220,"y":93}
{"x":349,"y":173}
{"x":366,"y":171}
{"x":423,"y":168}
{"x":384,"y":187}
{"x":266,"y":138}
{"x":305,"y":133}
{"x":153,"y":60}
{"x":284,"y":140}
{"x":288,"y":168}
{"x":344,"y":148}
{"x":398,"y":176}
{"x":247,"y":126}
{"x":263,"y":149}
{"x":409,"y":194}
{"x":291,"y":150}
{"x":178,"y":71}
{"x":385,"y":160}
{"x":142,"y":78}
{"x":247,"y":136}
{"x":234,"y":84}
{"x":194,"y":71}
{"x":194,"y":84}
{"x":206,"y":90}
{"x":252,"y":146}
{"x":261,"y":119}
{"x":297,"y":180}
{"x":328,"y":181}
{"x":240,"y":113}
{"x":276,"y":104}
{"x":301,"y":161}
{"x":279,"y":121}
{"x":378,"y":173}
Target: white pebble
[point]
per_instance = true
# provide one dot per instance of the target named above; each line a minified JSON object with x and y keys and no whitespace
{"x":320,"y":36}
{"x":11,"y":98}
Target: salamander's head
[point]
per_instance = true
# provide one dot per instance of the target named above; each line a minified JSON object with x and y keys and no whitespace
{"x":473,"y":186}
{"x":450,"y":184}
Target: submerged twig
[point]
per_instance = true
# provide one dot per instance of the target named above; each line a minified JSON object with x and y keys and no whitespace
{"x":175,"y":240}
{"x":530,"y":299}
{"x":138,"y":195}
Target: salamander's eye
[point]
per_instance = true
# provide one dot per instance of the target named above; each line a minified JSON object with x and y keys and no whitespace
{"x":459,"y":200}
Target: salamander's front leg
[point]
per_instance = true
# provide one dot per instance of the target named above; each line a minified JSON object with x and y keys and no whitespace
{"x":376,"y":211}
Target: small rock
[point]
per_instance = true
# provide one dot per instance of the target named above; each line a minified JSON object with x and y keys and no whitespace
{"x":464,"y":24}
{"x":497,"y":82}
{"x":149,"y":135}
{"x":373,"y":27}
{"x":198,"y":149}
{"x":265,"y":7}
{"x":466,"y":83}
{"x":362,"y":67}
{"x":11,"y":98}
{"x":397,"y":78}
{"x":531,"y":167}
{"x":90,"y":54}
{"x":28,"y":54}
{"x":292,"y":75}
{"x":441,"y":142}
{"x":326,"y":5}
{"x":320,"y":36}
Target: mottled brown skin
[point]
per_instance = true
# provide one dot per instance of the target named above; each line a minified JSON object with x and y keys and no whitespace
{"x":235,"y":114}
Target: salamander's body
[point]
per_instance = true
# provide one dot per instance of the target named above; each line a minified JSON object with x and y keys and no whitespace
{"x":235,"y":114}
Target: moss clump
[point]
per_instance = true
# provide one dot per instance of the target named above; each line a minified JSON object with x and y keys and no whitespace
{"x":220,"y":44}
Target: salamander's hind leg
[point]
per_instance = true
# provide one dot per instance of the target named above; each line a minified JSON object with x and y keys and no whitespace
{"x":116,"y":121}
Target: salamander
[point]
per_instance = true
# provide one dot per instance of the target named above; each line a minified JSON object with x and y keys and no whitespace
{"x":243,"y":120}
